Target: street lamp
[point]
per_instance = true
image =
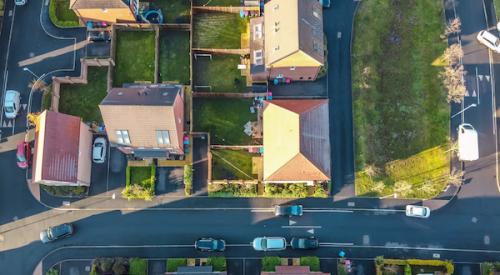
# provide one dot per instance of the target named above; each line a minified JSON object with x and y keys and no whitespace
{"x":26,"y":69}
{"x":470,"y":106}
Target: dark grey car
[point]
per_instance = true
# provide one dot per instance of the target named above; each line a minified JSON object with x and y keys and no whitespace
{"x":210,"y":244}
{"x":57,"y":232}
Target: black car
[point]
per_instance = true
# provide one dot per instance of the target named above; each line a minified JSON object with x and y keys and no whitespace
{"x":96,"y":36}
{"x":304,"y":243}
{"x":288,"y":210}
{"x":57,"y":232}
{"x":210,"y":244}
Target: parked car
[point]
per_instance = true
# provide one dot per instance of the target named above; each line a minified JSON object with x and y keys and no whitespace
{"x":23,"y":154}
{"x":468,"y":147}
{"x":20,"y":2}
{"x":489,"y":40}
{"x":269,"y":243}
{"x":57,"y":232}
{"x":418,"y":211}
{"x":288,"y":210}
{"x":210,"y":244}
{"x":97,"y":36}
{"x":99,"y":150}
{"x":304,"y":243}
{"x":11,"y":103}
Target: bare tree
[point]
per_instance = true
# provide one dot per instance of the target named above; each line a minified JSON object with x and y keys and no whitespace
{"x":402,"y":187}
{"x":454,"y":82}
{"x":453,"y":54}
{"x":37,"y":85}
{"x":371,"y":170}
{"x":456,"y":177}
{"x":454,"y":26}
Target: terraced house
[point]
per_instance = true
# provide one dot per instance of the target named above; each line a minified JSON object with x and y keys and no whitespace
{"x":288,"y":42}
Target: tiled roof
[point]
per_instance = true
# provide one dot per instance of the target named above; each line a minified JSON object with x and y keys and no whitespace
{"x":97,"y":4}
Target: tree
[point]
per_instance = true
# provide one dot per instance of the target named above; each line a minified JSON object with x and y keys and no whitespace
{"x":453,"y":26}
{"x":402,"y":187}
{"x":454,"y":82}
{"x":456,"y":177}
{"x":453,"y":54}
{"x":371,"y":170}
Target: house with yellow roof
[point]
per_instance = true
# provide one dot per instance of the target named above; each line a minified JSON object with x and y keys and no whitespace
{"x":110,"y":11}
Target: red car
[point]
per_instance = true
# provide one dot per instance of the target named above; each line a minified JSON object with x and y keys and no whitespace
{"x":23,"y":154}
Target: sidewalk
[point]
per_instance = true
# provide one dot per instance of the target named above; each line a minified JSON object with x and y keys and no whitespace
{"x":11,"y":142}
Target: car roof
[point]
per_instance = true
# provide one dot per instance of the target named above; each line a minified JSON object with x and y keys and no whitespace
{"x":274,"y":242}
{"x":10,"y":95}
{"x":489,"y":36}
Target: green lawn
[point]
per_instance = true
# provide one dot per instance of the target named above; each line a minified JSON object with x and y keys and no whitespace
{"x":140,"y":182}
{"x":135,"y":57}
{"x":232,"y":164}
{"x":497,"y":8}
{"x":221,"y":74}
{"x":174,"y":56}
{"x":175,"y":11}
{"x":218,"y":30}
{"x":138,"y":266}
{"x":61,"y":15}
{"x":400,"y":106}
{"x":174,"y":263}
{"x":83,"y":100}
{"x":217,"y":3}
{"x":218,"y":263}
{"x":224,"y":119}
{"x":2,"y":4}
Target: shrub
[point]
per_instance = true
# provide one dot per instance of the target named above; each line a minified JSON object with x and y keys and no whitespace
{"x":286,"y":190}
{"x":140,"y":183}
{"x":65,"y":191}
{"x":269,"y":263}
{"x":218,"y":263}
{"x":232,"y":190}
{"x":120,"y":266}
{"x":138,"y":266}
{"x":320,"y":191}
{"x":310,"y":261}
{"x":137,"y":192}
{"x":52,"y":271}
{"x":56,"y":21}
{"x":188,"y":179}
{"x":102,"y":265}
{"x":174,"y":263}
{"x":407,"y":269}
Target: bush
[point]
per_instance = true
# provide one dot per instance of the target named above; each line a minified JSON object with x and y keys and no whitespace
{"x":310,"y":261}
{"x":232,"y":190}
{"x":188,"y":179}
{"x":488,"y":268}
{"x":286,"y":190}
{"x":269,"y":263}
{"x":407,"y":269}
{"x":174,"y":263}
{"x":138,"y":266}
{"x":52,"y":271}
{"x":102,"y":265}
{"x":321,"y":190}
{"x":56,"y":21}
{"x":65,"y":191}
{"x":47,"y":98}
{"x":140,"y":183}
{"x":120,"y":266}
{"x":380,"y":263}
{"x":218,"y":263}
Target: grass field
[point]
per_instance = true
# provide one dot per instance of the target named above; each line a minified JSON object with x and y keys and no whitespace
{"x":400,"y":107}
{"x":61,"y":15}
{"x":138,"y":266}
{"x":224,"y":119}
{"x":232,"y":164}
{"x":234,"y":3}
{"x":174,"y":56}
{"x":135,"y":57}
{"x":83,"y":100}
{"x":2,"y":4}
{"x":218,"y":30}
{"x":175,"y":11}
{"x":497,"y":8}
{"x":221,"y":74}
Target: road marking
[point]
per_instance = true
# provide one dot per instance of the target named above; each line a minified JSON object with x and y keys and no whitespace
{"x":336,"y":244}
{"x":290,"y":222}
{"x":310,"y":231}
{"x":327,"y":211}
{"x":6,"y":72}
{"x":301,"y":226}
{"x":239,"y":245}
{"x":474,"y":220}
{"x":366,"y":239}
{"x":486,"y":239}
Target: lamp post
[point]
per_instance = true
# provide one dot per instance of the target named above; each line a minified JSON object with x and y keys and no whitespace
{"x":26,"y":69}
{"x":470,"y":106}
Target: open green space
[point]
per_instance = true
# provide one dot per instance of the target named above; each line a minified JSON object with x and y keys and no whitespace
{"x":224,"y":119}
{"x":399,"y":104}
{"x":174,"y":263}
{"x":138,"y":266}
{"x":175,"y":11}
{"x":61,"y":15}
{"x":218,"y":30}
{"x":140,"y":182}
{"x":174,"y":56}
{"x":83,"y":100}
{"x":232,"y":164}
{"x":135,"y":57}
{"x":224,"y":3}
{"x":218,"y":74}
{"x":2,"y":5}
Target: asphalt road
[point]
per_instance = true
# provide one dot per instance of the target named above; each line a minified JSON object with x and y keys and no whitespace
{"x":466,"y":230}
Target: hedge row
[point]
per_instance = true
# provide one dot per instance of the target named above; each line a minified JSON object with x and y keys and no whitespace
{"x":380,"y":262}
{"x":188,"y":179}
{"x":56,"y":21}
{"x":232,"y":190}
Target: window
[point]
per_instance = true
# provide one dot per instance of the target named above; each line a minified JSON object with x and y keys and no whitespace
{"x":257,"y":31}
{"x":257,"y":57}
{"x":301,"y":77}
{"x":162,"y":137}
{"x":292,"y":68}
{"x":122,"y":136}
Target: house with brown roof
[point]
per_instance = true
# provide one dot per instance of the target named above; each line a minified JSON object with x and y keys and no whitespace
{"x":111,"y":11}
{"x":145,"y":121}
{"x":292,"y":270}
{"x":62,"y":152}
{"x":296,"y":141}
{"x":288,"y":41}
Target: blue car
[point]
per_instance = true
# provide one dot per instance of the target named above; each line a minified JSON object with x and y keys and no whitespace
{"x":288,"y":210}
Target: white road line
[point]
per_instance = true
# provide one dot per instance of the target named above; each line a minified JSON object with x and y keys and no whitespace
{"x":352,"y":210}
{"x":405,"y":247}
{"x":328,"y":211}
{"x":13,"y":125}
{"x":262,"y":210}
{"x":336,"y":244}
{"x":477,"y":87}
{"x":239,"y":245}
{"x":301,"y":226}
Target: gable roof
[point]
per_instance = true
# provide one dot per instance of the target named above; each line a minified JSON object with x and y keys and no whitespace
{"x":294,"y":29}
{"x":97,"y":4}
{"x":152,"y":95}
{"x":296,"y":140}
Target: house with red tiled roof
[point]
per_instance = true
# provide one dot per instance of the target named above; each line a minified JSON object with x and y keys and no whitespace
{"x":292,"y":270}
{"x":62,"y":152}
{"x":296,"y":141}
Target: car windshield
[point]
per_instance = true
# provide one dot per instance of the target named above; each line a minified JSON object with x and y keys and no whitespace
{"x":214,"y":245}
{"x":263,"y":243}
{"x":9,"y":109}
{"x":21,"y":158}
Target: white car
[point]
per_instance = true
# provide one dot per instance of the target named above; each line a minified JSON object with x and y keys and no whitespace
{"x":269,"y":243}
{"x":418,"y":211}
{"x":99,"y":150}
{"x":489,"y":40}
{"x":468,"y":147}
{"x":20,"y":2}
{"x":11,"y":103}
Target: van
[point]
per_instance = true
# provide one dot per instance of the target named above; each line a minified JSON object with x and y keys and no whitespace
{"x":467,"y":143}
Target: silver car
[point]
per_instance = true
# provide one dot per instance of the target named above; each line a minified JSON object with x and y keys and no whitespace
{"x":99,"y":150}
{"x":418,"y":211}
{"x":269,"y":243}
{"x":489,"y":40}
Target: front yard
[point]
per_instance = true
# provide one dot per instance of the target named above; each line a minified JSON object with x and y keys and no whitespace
{"x":175,"y":11}
{"x":234,"y":3}
{"x":61,"y":15}
{"x":83,"y":100}
{"x":219,"y":73}
{"x":218,"y":30}
{"x":401,"y":116}
{"x":140,"y":182}
{"x":232,"y":164}
{"x":224,"y":119}
{"x":135,"y":57}
{"x":174,"y":56}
